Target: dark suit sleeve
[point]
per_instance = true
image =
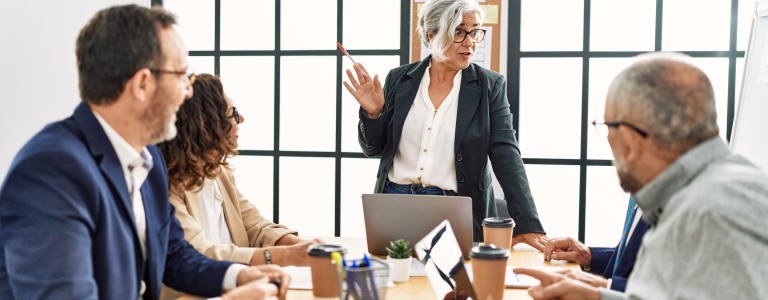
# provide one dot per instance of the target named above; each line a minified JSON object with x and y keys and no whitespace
{"x":186,"y":269}
{"x":507,"y":163}
{"x":46,"y":229}
{"x":618,"y":283}
{"x":371,"y":132}
{"x":602,"y":257}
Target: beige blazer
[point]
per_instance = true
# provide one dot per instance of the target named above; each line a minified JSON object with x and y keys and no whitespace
{"x":247,"y":227}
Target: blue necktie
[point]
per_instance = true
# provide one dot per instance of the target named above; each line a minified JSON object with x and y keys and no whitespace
{"x":630,"y":218}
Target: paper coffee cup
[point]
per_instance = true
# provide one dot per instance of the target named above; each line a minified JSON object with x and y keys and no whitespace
{"x":498,"y":231}
{"x":325,"y":280}
{"x":489,"y":265}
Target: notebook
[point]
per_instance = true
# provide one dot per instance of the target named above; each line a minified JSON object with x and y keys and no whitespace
{"x":390,"y":217}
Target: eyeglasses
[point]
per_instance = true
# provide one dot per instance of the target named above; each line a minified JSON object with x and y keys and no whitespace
{"x":189,"y":73}
{"x":476,"y":35}
{"x":601,"y":127}
{"x":235,"y":115}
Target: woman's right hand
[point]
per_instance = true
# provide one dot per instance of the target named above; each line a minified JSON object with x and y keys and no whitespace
{"x":367,"y":91}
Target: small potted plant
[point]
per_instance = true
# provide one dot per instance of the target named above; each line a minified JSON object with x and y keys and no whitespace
{"x":399,"y":258}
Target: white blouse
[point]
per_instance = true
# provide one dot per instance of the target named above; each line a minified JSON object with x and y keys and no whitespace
{"x":425,"y":154}
{"x":212,"y":202}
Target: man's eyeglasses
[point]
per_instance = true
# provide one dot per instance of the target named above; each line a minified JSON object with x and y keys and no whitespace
{"x":601,"y":127}
{"x":476,"y":35}
{"x":235,"y":115}
{"x":189,"y":73}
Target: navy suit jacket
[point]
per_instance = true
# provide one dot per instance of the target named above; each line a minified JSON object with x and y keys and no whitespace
{"x":603,"y":259}
{"x":67,"y":229}
{"x":483,"y":130}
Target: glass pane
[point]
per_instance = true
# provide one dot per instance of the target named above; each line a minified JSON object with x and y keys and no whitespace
{"x":602,"y":71}
{"x":254,"y":179}
{"x":358,"y":176}
{"x":308,"y":107}
{"x":201,"y":64}
{"x":746,"y":12}
{"x":381,"y":30}
{"x":247,"y":25}
{"x":551,"y":25}
{"x":249,"y":81}
{"x":717,"y":71}
{"x":558,"y":207}
{"x":693,"y":25}
{"x":547,"y":132}
{"x":622,"y":25}
{"x":606,"y":207}
{"x":195,"y":22}
{"x":306,"y":25}
{"x":376,"y":65}
{"x":307,"y":195}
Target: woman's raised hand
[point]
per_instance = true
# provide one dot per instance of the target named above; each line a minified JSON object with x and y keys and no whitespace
{"x":366,"y":90}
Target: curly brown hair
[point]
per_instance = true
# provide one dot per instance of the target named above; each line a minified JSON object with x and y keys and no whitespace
{"x":204,"y":139}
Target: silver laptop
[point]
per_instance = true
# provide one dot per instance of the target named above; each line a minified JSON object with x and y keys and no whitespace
{"x":390,"y":217}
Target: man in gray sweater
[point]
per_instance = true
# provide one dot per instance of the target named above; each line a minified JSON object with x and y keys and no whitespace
{"x":707,"y":207}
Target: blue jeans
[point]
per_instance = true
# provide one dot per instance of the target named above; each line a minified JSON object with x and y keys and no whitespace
{"x":415,"y":189}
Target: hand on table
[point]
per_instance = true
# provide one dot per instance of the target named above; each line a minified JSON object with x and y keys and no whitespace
{"x":270,"y":273}
{"x":585,"y":277}
{"x":367,"y":91}
{"x":568,"y":249}
{"x":558,"y":286}
{"x":257,"y":289}
{"x":293,"y":255}
{"x":536,"y":240}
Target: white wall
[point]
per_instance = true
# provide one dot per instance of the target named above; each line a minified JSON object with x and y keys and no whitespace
{"x":38,"y":75}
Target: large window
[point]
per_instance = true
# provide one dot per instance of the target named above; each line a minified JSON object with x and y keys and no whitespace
{"x":300,"y":162}
{"x":563,"y":55}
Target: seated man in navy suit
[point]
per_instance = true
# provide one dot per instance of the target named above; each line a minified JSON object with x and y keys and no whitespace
{"x":607,"y":270}
{"x":84,"y":210}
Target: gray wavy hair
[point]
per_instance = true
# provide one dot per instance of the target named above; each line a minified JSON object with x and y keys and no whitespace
{"x":441,"y":17}
{"x":669,"y":97}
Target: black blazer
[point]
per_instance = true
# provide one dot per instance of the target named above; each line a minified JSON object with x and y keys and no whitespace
{"x":483,"y":130}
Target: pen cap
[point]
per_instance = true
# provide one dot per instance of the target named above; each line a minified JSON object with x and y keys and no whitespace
{"x":498,"y":222}
{"x":325,"y":250}
{"x":485,"y":251}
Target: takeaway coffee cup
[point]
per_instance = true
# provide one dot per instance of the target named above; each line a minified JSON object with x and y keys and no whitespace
{"x":489,"y":265}
{"x":498,"y":231}
{"x":325,"y":280}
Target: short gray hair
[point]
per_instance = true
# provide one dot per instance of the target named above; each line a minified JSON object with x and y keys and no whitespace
{"x":670,"y":98}
{"x":441,"y":17}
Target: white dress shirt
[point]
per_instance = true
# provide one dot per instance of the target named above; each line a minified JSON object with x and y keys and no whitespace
{"x":425,"y":154}
{"x":211,"y":202}
{"x":136,"y":168}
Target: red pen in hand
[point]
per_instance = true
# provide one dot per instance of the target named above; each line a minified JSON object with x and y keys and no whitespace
{"x":345,"y":52}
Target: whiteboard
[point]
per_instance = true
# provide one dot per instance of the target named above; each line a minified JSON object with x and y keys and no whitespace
{"x":750,"y":126}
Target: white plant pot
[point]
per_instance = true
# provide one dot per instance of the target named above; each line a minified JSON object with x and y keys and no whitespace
{"x":399,"y":268}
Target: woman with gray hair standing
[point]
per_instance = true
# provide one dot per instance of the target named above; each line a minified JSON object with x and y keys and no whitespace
{"x":436,"y":123}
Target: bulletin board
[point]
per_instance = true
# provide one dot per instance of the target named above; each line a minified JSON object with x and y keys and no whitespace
{"x":491,"y":23}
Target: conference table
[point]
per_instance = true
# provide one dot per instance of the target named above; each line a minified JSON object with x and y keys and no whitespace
{"x":418,"y":287}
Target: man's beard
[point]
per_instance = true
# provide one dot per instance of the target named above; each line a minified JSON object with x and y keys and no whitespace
{"x":629,"y":183}
{"x":160,"y":130}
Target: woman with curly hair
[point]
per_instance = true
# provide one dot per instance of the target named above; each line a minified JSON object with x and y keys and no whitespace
{"x":217,"y":220}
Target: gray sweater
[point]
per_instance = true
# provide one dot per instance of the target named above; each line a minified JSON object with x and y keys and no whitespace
{"x":709,"y":230}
